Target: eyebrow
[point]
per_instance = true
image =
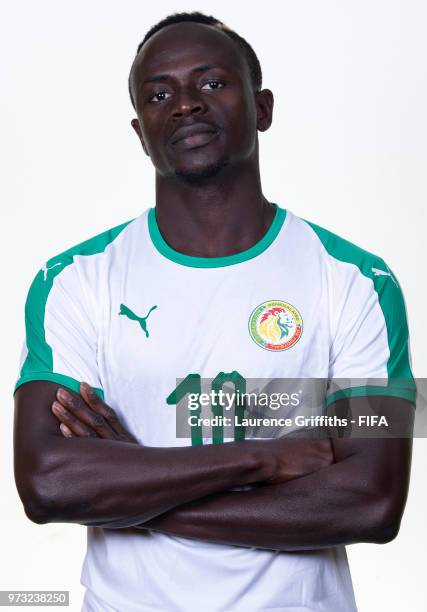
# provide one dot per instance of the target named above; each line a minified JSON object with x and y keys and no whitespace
{"x":164,"y":77}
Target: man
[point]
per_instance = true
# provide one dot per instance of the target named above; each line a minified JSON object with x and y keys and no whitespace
{"x":214,"y":282}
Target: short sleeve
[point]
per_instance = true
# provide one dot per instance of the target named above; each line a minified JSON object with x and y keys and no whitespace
{"x":370,"y":352}
{"x":61,"y":330}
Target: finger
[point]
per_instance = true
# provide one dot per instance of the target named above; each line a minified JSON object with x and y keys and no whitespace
{"x":66,"y":431}
{"x":103,"y":409}
{"x":74,"y":425}
{"x":82,"y":411}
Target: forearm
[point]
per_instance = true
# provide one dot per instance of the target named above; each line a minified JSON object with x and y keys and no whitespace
{"x":105,"y":483}
{"x":329,"y":507}
{"x":112,"y":481}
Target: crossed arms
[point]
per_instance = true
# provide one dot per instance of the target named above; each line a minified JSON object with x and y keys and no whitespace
{"x":304,"y":495}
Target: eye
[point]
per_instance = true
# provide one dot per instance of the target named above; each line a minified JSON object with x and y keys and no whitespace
{"x":213,"y":84}
{"x":160,"y":96}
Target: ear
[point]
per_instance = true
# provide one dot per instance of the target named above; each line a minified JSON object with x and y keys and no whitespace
{"x":137,"y":127}
{"x":264,"y":101}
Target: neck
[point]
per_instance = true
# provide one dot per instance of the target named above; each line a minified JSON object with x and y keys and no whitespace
{"x":216,"y":217}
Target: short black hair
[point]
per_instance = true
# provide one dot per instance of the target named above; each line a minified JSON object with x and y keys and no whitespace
{"x":197,"y":17}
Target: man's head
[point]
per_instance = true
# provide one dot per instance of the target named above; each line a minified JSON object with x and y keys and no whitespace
{"x":196,"y":88}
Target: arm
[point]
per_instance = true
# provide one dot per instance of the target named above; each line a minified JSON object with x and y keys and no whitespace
{"x":102,"y":482}
{"x":360,"y":498}
{"x":117,"y":483}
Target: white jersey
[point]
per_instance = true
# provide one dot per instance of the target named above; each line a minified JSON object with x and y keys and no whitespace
{"x":130,"y":315}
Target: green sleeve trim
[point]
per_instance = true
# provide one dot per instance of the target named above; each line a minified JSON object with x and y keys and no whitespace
{"x":39,"y":357}
{"x":403,"y":393}
{"x":389,"y":293}
{"x":61,"y":379}
{"x":214,"y":262}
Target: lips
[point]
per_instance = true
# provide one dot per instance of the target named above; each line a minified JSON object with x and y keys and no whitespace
{"x":193,"y":132}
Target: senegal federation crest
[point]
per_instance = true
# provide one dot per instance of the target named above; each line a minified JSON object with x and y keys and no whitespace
{"x":275,"y":325}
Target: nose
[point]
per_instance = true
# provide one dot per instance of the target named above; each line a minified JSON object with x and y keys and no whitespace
{"x":188,"y":104}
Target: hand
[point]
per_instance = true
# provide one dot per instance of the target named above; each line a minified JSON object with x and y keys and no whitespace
{"x":88,"y":416}
{"x":299,"y":457}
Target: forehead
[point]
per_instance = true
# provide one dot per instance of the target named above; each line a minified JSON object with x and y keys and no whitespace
{"x":184,"y":45}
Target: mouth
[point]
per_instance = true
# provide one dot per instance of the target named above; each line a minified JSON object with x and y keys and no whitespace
{"x":194,"y":136}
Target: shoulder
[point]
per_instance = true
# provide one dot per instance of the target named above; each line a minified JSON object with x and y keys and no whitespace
{"x":74,"y":263}
{"x":91,"y":247}
{"x":347,"y":253}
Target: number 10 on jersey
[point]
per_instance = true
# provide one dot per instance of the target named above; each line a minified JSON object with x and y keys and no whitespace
{"x":192,"y":384}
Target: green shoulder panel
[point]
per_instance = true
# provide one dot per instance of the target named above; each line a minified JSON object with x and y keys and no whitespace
{"x":389,"y":293}
{"x":39,"y":361}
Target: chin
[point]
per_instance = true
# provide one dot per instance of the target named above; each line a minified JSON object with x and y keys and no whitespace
{"x":199,"y":175}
